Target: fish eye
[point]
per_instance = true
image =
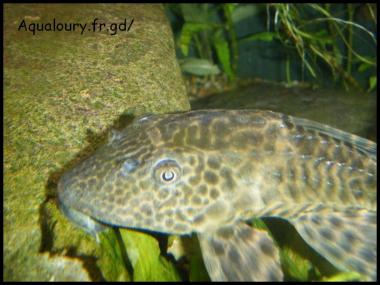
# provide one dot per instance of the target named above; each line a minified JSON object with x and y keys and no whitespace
{"x":167,"y":172}
{"x":168,"y":175}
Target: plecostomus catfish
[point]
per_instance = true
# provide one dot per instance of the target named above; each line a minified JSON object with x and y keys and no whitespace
{"x":210,"y":171}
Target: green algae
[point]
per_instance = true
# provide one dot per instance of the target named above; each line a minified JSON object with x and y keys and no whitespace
{"x":62,"y":92}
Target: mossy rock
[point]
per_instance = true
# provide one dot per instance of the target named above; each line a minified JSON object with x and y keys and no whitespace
{"x":63,"y":91}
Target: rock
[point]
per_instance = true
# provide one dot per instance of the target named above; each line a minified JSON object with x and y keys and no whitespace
{"x":63,"y":91}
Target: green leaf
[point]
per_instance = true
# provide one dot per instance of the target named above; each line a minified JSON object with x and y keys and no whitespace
{"x":259,"y":224}
{"x":344,"y":276}
{"x":372,"y":83}
{"x":295,"y":266}
{"x":198,"y":66}
{"x":223,"y":52}
{"x":187,"y":247}
{"x":264,"y":36}
{"x":197,"y":270}
{"x":187,"y":32}
{"x":144,"y":253}
{"x":231,"y":7}
{"x":111,"y":261}
{"x":364,"y":66}
{"x":321,"y":37}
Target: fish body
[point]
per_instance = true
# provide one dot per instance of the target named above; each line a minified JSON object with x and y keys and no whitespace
{"x":209,"y":171}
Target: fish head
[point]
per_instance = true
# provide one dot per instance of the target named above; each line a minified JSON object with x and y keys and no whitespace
{"x":156,"y":174}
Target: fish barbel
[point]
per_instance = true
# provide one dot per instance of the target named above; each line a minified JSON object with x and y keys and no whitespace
{"x":209,"y":171}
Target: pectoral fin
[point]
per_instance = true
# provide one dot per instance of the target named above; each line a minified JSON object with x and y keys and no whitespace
{"x":346,"y":238}
{"x":240,"y":253}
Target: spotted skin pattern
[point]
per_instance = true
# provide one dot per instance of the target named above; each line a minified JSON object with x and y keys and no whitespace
{"x":241,"y":253}
{"x":203,"y":171}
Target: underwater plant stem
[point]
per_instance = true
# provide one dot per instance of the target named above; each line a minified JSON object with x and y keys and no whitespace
{"x":350,"y":34}
{"x":287,"y":70}
{"x":370,"y":10}
{"x":198,"y":45}
{"x":233,"y":38}
{"x":206,"y":45}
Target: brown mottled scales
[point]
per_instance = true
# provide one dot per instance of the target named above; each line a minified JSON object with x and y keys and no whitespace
{"x":209,"y":171}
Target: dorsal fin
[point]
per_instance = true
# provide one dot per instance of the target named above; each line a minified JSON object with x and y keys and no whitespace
{"x":363,"y":145}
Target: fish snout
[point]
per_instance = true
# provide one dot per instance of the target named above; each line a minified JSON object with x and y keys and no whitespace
{"x":68,"y":204}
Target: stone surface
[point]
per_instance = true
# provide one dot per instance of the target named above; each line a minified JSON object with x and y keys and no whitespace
{"x":62,"y":92}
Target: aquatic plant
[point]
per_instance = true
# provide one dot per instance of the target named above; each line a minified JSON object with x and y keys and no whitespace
{"x":326,"y":32}
{"x":208,"y":30}
{"x":317,"y":35}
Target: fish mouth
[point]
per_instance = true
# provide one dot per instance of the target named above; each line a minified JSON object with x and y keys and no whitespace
{"x":77,"y":217}
{"x":81,"y":220}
